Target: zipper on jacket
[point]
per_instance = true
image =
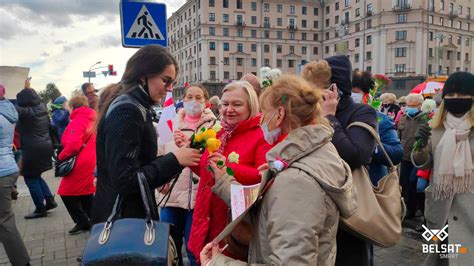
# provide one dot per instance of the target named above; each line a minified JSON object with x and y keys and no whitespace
{"x":190,"y":189}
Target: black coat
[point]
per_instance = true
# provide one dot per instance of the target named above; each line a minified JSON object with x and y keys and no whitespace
{"x":126,"y":144}
{"x":356,"y":144}
{"x":33,"y":126}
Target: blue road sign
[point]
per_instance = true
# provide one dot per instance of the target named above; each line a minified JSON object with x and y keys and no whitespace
{"x":143,"y":22}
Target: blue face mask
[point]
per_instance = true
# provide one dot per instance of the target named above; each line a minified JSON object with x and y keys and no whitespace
{"x":270,"y":136}
{"x":411,"y":111}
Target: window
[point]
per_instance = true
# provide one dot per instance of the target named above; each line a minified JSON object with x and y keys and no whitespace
{"x":292,"y":35}
{"x":279,"y":35}
{"x":291,"y":63}
{"x":369,"y":24}
{"x":212,"y":46}
{"x":279,"y":22}
{"x":254,"y":33}
{"x":211,"y":3}
{"x":292,"y":49}
{"x":266,"y":7}
{"x":226,"y":61}
{"x":315,"y":37}
{"x":226,"y":75}
{"x":254,"y":61}
{"x":356,"y":58}
{"x":303,"y":23}
{"x":225,"y":3}
{"x":226,"y":46}
{"x":327,"y":36}
{"x":254,"y":6}
{"x":303,"y":49}
{"x":430,"y":69}
{"x":347,"y":3}
{"x":357,"y":42}
{"x":239,"y":4}
{"x":327,"y":22}
{"x":368,"y":55}
{"x":459,"y":25}
{"x":240,"y":47}
{"x":370,"y":8}
{"x":304,"y":10}
{"x":458,"y":56}
{"x":401,"y":35}
{"x":450,"y":38}
{"x":212,"y":75}
{"x":460,"y":9}
{"x":212,"y":17}
{"x":441,"y":21}
{"x":401,"y":52}
{"x":303,"y":36}
{"x":369,"y":39}
{"x":430,"y":19}
{"x":336,"y":20}
{"x":431,"y":35}
{"x":401,"y":18}
{"x":466,"y":57}
{"x":240,"y":32}
{"x":326,"y":49}
{"x":442,"y":4}
{"x":336,"y":6}
{"x":266,"y":48}
{"x":212,"y":60}
{"x":280,"y":8}
{"x":226,"y":31}
{"x":459,"y":40}
{"x":212,"y":31}
{"x":315,"y":24}
{"x":467,"y":41}
{"x":450,"y":24}
{"x":315,"y":50}
{"x":400,"y":68}
{"x":254,"y":47}
{"x":279,"y":63}
{"x":254,"y":20}
{"x":240,"y":61}
{"x":266,"y":62}
{"x":430,"y":52}
{"x":357,"y":12}
{"x":357,"y":27}
{"x":292,"y":10}
{"x":266,"y":34}
{"x":225,"y":17}
{"x":239,"y":75}
{"x":368,"y":69}
{"x":451,"y":7}
{"x":316,"y":11}
{"x":279,"y":49}
{"x":328,"y":9}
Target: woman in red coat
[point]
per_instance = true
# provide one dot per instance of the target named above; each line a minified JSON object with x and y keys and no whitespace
{"x":77,"y":188}
{"x":240,"y":133}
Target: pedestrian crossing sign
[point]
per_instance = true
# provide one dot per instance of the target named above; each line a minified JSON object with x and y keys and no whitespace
{"x":143,"y":22}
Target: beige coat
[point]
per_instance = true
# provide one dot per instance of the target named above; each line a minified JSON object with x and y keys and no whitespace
{"x":184,"y":192}
{"x":457,"y":212}
{"x":297,"y":220}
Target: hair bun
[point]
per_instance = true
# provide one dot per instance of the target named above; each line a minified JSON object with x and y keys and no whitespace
{"x":317,"y":72}
{"x":310,"y":96}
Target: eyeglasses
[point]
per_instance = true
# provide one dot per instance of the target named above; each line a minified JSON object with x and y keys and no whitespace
{"x":167,"y":81}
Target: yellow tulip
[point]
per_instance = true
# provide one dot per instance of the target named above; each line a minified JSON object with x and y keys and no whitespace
{"x":212,"y":145}
{"x":198,"y":137}
{"x":208,"y":134}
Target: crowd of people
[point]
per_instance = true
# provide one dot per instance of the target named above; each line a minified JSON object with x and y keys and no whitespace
{"x":296,"y":127}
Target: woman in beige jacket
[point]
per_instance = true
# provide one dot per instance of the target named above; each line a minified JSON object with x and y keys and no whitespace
{"x":296,"y":221}
{"x":178,"y":209}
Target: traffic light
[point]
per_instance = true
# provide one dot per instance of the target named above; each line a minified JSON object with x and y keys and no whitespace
{"x":111,"y":71}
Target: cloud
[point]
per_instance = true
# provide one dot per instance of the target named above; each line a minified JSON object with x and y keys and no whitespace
{"x":45,"y":54}
{"x":110,"y":41}
{"x":10,"y":26}
{"x":70,"y":47}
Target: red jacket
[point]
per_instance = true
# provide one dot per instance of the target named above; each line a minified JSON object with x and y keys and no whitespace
{"x":81,"y":179}
{"x":210,"y":212}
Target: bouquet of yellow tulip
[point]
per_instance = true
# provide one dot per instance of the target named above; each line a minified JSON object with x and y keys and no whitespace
{"x":205,"y":139}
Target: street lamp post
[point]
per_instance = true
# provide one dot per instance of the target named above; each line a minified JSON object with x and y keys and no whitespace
{"x":91,"y":68}
{"x":439,"y":36}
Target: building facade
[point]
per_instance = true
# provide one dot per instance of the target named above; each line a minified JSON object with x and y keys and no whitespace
{"x":216,"y":41}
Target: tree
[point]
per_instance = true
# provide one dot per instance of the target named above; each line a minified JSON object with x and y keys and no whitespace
{"x":50,"y":93}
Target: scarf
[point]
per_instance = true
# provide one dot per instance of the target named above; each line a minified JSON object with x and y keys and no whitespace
{"x":453,"y":159}
{"x":228,"y":130}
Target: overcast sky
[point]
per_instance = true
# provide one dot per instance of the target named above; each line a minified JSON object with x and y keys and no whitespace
{"x":59,"y":39}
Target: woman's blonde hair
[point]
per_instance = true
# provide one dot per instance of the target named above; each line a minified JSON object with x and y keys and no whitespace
{"x":317,"y":73}
{"x":78,"y":101}
{"x":414,"y":97}
{"x":300,"y":100}
{"x":392,"y":98}
{"x":440,"y":116}
{"x":252,"y":98}
{"x":203,"y":89}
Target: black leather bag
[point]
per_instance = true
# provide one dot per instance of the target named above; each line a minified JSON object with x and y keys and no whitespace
{"x":131,"y":241}
{"x":63,"y":168}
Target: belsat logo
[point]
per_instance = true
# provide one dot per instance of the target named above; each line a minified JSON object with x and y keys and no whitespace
{"x":450,"y":251}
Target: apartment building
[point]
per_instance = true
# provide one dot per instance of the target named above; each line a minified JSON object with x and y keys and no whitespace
{"x":216,"y":41}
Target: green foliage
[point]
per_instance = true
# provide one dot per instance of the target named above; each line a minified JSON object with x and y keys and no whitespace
{"x":50,"y":93}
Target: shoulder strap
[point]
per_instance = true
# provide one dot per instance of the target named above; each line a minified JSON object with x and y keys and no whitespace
{"x":124,"y":98}
{"x":376,"y":137}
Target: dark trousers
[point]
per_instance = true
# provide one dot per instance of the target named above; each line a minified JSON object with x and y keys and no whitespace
{"x":39,"y":190}
{"x":9,"y":235}
{"x":408,"y":181}
{"x":352,"y":250}
{"x":79,"y":208}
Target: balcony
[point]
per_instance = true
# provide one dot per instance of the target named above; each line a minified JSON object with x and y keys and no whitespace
{"x":370,"y":13}
{"x":240,"y":24}
{"x":453,"y":14}
{"x":345,"y":22}
{"x":266,"y":25}
{"x":402,"y":8}
{"x":292,"y":27}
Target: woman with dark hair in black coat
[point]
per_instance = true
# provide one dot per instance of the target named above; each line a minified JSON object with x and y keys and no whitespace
{"x":126,"y":137}
{"x":33,"y":126}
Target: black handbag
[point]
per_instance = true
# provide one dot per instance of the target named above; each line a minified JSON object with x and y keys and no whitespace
{"x":131,"y":241}
{"x":63,"y":168}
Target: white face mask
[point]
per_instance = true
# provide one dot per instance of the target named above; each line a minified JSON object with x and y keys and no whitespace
{"x":357,"y":97}
{"x":270,"y":136}
{"x":193,"y":108}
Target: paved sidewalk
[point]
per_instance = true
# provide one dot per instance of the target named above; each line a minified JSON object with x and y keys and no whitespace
{"x":49,"y":243}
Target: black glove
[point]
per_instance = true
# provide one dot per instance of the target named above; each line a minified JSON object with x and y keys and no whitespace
{"x":423,"y":134}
